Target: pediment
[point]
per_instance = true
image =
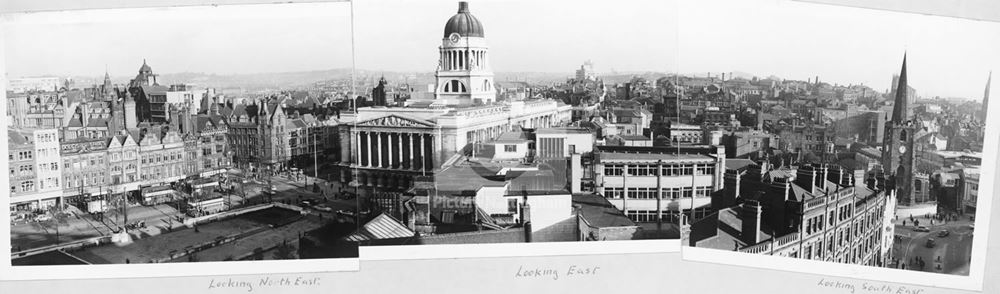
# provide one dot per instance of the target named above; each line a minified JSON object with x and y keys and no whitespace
{"x":396,"y":121}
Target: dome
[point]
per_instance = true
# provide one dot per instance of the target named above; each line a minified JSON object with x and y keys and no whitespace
{"x":463,"y":23}
{"x":145,"y":67}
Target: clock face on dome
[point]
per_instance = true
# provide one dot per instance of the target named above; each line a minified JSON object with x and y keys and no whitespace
{"x":454,"y":37}
{"x":902,"y":149}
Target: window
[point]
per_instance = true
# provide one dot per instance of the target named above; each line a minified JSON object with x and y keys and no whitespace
{"x":614,"y":193}
{"x":512,"y":205}
{"x":572,"y":149}
{"x":27,"y":186}
{"x":510,"y":148}
{"x":612,"y":170}
{"x":703,"y":191}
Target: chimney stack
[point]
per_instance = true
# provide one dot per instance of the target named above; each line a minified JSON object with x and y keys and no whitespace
{"x":805,"y":177}
{"x":750,"y":215}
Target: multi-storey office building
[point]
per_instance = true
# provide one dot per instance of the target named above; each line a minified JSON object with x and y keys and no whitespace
{"x":659,"y":182}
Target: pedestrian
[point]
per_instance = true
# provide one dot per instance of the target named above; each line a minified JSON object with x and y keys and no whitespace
{"x":127,"y":261}
{"x":904,"y":222}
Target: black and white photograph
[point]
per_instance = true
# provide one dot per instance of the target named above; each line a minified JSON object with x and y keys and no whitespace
{"x":511,"y":146}
{"x":176,"y":135}
{"x":855,"y":142}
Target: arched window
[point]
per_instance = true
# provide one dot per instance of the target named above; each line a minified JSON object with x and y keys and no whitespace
{"x":455,"y":86}
{"x":918,"y":185}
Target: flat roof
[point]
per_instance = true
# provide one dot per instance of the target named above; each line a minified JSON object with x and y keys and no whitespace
{"x":566,"y":130}
{"x":650,"y":156}
{"x":599,"y":212}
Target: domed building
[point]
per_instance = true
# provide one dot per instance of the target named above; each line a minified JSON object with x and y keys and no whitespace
{"x":463,"y":74}
{"x":387,"y":147}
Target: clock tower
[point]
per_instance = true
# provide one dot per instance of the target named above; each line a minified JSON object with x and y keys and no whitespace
{"x":898,"y":154}
{"x":463,"y":74}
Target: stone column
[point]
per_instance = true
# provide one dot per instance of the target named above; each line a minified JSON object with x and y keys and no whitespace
{"x":357,"y":145}
{"x":423,"y":155}
{"x":378,"y":147}
{"x":399,"y":150}
{"x":388,"y":150}
{"x":409,"y":137}
{"x":370,"y":149}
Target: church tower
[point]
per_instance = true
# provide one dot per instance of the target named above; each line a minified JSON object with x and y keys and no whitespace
{"x":464,"y":75}
{"x":378,"y":93}
{"x":897,"y":152}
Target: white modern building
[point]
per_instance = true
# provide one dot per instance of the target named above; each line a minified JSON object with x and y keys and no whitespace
{"x":647,"y":182}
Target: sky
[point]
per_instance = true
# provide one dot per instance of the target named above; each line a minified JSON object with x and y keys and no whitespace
{"x":554,"y":36}
{"x":946,"y":57}
{"x":222,"y":40}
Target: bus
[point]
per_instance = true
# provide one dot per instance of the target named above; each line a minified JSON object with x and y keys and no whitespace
{"x":206,"y":206}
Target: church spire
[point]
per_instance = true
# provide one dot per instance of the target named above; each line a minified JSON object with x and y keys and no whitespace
{"x":900,"y":108}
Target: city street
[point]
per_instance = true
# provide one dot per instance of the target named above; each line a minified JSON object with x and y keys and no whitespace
{"x":954,"y":250}
{"x":80,"y":226}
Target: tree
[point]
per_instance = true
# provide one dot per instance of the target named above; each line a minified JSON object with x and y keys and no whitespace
{"x":58,"y":219}
{"x":285,"y":251}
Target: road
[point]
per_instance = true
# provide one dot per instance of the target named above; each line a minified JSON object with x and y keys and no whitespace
{"x":954,"y":250}
{"x":163,"y":217}
{"x":80,"y":226}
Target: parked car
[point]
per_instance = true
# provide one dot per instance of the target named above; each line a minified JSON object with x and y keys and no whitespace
{"x":346,"y":213}
{"x":944,"y":233}
{"x":921,"y":229}
{"x":930,"y":243}
{"x":323,"y":208}
{"x":43,"y":217}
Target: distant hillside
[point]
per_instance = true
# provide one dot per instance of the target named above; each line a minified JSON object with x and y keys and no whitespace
{"x":365,"y":78}
{"x":284,"y":80}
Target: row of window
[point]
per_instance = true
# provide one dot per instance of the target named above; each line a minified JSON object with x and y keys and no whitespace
{"x":78,"y":163}
{"x":667,"y":170}
{"x":650,"y":193}
{"x":47,"y":138}
{"x":645,"y":216}
{"x":173,"y":155}
{"x":22,"y":155}
{"x":44,"y":167}
{"x":46,"y":152}
{"x":85,"y":180}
